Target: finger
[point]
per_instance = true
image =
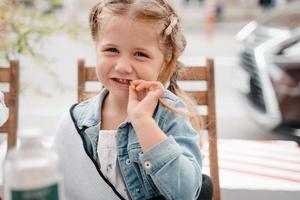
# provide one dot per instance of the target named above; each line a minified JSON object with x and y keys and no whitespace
{"x":144,"y":85}
{"x":136,"y":82}
{"x":157,"y":88}
{"x":156,"y":85}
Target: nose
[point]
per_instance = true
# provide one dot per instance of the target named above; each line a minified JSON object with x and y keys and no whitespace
{"x":123,"y":65}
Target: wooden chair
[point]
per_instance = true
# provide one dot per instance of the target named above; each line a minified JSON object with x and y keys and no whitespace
{"x":10,"y":75}
{"x":206,"y":74}
{"x":194,"y":73}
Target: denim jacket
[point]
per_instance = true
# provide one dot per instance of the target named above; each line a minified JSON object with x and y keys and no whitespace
{"x":171,"y":169}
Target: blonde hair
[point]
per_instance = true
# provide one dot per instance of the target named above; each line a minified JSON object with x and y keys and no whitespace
{"x":172,"y":41}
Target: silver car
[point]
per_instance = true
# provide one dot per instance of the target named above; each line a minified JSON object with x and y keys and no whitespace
{"x":269,"y":70}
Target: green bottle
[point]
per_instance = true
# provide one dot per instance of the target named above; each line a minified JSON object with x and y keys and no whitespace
{"x":31,"y":171}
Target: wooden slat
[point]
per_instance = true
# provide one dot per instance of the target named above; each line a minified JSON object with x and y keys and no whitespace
{"x":212,"y":129}
{"x":4,"y":74}
{"x":7,"y":98}
{"x":186,"y":73}
{"x":10,"y":98}
{"x":13,"y":103}
{"x":206,"y":123}
{"x":90,"y":74}
{"x":199,"y":96}
{"x":4,"y":128}
{"x":80,"y":79}
{"x":192,"y":73}
{"x":11,"y":76}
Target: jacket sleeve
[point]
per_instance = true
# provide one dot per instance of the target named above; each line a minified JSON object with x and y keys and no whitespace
{"x":175,"y":164}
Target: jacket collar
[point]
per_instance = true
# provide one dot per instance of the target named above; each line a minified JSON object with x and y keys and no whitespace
{"x":90,"y":111}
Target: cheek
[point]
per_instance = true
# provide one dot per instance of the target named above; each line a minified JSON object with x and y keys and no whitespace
{"x":156,"y":72}
{"x":159,"y":66}
{"x":150,"y":72}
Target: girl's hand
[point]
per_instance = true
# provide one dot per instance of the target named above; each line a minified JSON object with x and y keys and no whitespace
{"x":143,"y":98}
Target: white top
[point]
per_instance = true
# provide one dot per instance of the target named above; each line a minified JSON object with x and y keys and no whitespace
{"x":109,"y":166}
{"x":3,"y":110}
{"x":77,"y":166}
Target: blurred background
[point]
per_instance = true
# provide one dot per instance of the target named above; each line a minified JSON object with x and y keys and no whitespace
{"x":254,"y":43}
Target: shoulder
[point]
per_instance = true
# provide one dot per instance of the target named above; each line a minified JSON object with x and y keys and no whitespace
{"x":70,"y":119}
{"x":173,"y":123}
{"x":78,"y":110}
{"x":75,"y":115}
{"x":173,"y":100}
{"x":84,"y":113}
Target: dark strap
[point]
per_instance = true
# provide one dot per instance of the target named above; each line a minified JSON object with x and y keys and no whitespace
{"x":81,"y":133}
{"x":206,"y":192}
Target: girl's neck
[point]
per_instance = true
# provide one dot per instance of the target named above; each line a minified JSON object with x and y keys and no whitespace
{"x":116,"y":104}
{"x":114,"y":112}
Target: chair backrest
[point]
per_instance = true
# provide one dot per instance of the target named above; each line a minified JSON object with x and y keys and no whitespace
{"x":10,"y":76}
{"x":204,"y":98}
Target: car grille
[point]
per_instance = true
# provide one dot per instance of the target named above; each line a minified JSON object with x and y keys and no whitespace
{"x":255,"y":95}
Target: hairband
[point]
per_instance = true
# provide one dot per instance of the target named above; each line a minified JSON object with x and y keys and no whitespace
{"x":173,"y":22}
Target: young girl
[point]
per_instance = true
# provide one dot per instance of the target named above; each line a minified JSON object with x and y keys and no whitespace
{"x":3,"y":110}
{"x":123,"y":143}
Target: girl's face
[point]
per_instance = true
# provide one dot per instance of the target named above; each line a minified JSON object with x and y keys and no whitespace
{"x":127,"y":50}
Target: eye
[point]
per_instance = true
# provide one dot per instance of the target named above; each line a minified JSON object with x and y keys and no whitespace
{"x":112,"y":50}
{"x":141,"y":54}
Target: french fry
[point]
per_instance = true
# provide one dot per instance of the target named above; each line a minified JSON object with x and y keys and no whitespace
{"x":132,"y":85}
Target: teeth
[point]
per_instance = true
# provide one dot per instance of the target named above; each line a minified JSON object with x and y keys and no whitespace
{"x":123,"y":81}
